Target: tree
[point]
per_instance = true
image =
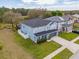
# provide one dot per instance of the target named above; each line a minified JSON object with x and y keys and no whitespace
{"x":36,"y":13}
{"x":12,"y":18}
{"x":53,"y":13}
{"x":2,"y":11}
{"x":47,"y":14}
{"x":57,"y":13}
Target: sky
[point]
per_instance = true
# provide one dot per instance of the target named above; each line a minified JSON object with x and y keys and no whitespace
{"x":48,"y":4}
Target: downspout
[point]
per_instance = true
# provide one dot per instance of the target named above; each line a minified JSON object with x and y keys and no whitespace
{"x":57,"y":29}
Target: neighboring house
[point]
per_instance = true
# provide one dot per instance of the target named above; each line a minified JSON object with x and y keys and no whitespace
{"x":76,"y":18}
{"x":43,"y":29}
{"x":65,"y":23}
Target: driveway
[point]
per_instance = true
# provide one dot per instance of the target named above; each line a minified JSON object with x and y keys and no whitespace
{"x":11,"y":50}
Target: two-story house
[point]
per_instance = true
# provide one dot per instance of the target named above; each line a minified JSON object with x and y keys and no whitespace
{"x":42,"y":29}
{"x":38,"y":29}
{"x":65,"y":23}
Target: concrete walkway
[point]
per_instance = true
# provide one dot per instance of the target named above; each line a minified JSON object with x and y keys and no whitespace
{"x":65,"y":44}
{"x":68,"y":44}
{"x":54,"y":53}
{"x":75,"y":39}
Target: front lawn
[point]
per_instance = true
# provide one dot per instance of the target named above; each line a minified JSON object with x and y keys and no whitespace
{"x":76,"y":26}
{"x":65,"y":54}
{"x":77,"y":42}
{"x":68,"y":36}
{"x":37,"y":50}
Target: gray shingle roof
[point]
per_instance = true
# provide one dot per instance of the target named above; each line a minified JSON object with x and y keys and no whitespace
{"x":36,"y":22}
{"x":67,"y":17}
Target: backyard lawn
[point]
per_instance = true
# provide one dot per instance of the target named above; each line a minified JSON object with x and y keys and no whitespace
{"x":38,"y":50}
{"x":77,"y":42}
{"x":68,"y":36}
{"x":65,"y":54}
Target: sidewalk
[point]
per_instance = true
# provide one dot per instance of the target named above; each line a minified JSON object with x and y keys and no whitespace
{"x":65,"y":44}
{"x":75,"y":39}
{"x":68,"y":44}
{"x":55,"y":53}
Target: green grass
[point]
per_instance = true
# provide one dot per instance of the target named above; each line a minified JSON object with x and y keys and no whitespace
{"x":68,"y":36}
{"x":37,"y":50}
{"x":77,"y":42}
{"x":65,"y":54}
{"x":76,"y":26}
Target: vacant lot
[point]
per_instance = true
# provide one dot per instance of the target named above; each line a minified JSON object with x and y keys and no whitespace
{"x":11,"y":50}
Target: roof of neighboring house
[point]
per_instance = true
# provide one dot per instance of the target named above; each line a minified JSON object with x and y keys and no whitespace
{"x":76,"y":15}
{"x":55,"y":18}
{"x":37,"y":22}
{"x":67,"y":17}
{"x":45,"y":32}
{"x":66,"y":25}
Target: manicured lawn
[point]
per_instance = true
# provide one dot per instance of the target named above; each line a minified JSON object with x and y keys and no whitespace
{"x":68,"y":36}
{"x":38,"y":50}
{"x":65,"y":54}
{"x":76,"y":26}
{"x":77,"y":42}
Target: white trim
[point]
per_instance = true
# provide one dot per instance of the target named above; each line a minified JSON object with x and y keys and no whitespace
{"x":23,"y":35}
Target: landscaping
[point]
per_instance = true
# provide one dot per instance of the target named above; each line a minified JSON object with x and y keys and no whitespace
{"x":65,"y":54}
{"x":77,"y":42}
{"x":68,"y":36}
{"x":38,"y":50}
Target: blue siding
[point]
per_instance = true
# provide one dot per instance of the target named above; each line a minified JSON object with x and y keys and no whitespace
{"x":31,"y":31}
{"x":28,"y":30}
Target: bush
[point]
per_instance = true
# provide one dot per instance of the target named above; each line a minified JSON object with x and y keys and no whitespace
{"x":1,"y":46}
